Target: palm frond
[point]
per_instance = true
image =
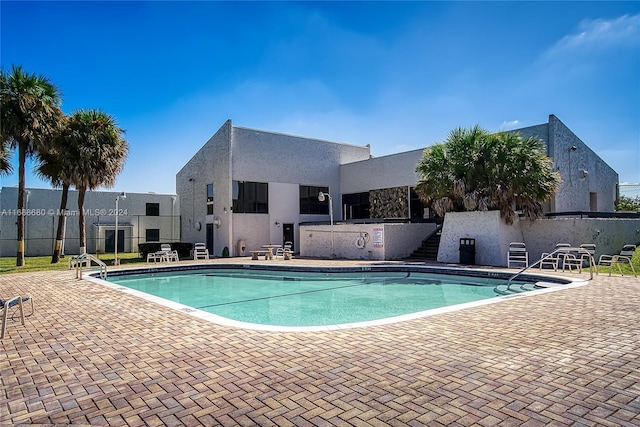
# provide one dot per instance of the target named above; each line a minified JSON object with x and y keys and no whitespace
{"x":476,"y":170}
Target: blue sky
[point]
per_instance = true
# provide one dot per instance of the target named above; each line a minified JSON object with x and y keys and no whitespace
{"x":396,"y":75}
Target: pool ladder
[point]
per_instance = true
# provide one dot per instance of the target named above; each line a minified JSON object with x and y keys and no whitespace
{"x":85,"y":260}
{"x":581,"y":251}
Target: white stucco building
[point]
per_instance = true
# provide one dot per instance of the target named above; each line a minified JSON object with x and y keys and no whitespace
{"x":142,"y":217}
{"x":246,"y":187}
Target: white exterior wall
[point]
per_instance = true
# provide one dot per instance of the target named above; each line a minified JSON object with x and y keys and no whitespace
{"x":395,"y":170}
{"x":381,"y":241}
{"x":210,"y":165}
{"x":41,"y":225}
{"x":493,"y":235}
{"x":283,"y":161}
{"x":608,"y":234}
{"x":574,"y":192}
{"x":273,"y":157}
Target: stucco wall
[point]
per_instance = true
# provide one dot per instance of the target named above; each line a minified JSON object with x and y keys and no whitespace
{"x":240,"y":154}
{"x":609,"y":235}
{"x":41,"y":224}
{"x":583,"y":171}
{"x":210,"y":165}
{"x":493,"y":235}
{"x":253,"y":229}
{"x":274,"y":157}
{"x":395,"y":170}
{"x":380,"y":241}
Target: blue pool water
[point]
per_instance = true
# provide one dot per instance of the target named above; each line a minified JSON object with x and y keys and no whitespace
{"x":300,"y":298}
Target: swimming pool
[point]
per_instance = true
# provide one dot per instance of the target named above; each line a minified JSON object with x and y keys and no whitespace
{"x":321,"y":298}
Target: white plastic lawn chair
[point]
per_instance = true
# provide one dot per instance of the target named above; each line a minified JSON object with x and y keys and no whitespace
{"x":517,"y":254}
{"x":624,"y":257}
{"x":200,"y":251}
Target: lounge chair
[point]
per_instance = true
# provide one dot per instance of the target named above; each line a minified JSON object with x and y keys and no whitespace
{"x":7,"y":305}
{"x":154,"y":256}
{"x":171,"y":256}
{"x":517,"y":254}
{"x":624,"y":257}
{"x":164,"y":254}
{"x":583,"y":258}
{"x":200,"y":251}
{"x":555,"y":258}
{"x":285,"y":251}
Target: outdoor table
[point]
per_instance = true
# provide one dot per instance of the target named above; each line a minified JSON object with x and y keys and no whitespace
{"x":270,"y":249}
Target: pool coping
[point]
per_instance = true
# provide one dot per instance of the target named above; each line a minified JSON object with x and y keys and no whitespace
{"x":549,"y":283}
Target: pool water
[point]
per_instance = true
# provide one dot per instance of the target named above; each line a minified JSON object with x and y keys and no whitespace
{"x":290,"y":298}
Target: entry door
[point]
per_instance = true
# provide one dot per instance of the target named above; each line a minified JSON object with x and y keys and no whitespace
{"x":109,"y":246}
{"x":210,"y":238}
{"x":287,"y":234}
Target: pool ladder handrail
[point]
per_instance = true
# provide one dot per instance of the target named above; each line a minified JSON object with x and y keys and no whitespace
{"x":557,"y":251}
{"x":80,"y":261}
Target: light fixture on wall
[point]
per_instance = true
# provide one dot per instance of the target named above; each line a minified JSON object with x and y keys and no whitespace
{"x":277,"y":224}
{"x":217,"y":222}
{"x":584,"y":173}
{"x":573,"y":148}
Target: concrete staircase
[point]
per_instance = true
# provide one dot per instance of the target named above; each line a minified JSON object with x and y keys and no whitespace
{"x":428,"y":250}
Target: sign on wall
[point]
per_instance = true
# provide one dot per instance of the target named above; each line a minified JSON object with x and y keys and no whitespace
{"x":378,"y":237}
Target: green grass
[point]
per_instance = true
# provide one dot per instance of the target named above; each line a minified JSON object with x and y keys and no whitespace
{"x":626,"y":269}
{"x":43,"y":263}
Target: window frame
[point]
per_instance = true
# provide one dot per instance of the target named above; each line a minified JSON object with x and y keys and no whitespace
{"x":149,"y":212}
{"x":210,"y":198}
{"x":251,"y":197}
{"x":146,"y":234}
{"x":308,"y":200}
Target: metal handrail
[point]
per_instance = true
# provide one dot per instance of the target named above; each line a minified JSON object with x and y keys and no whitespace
{"x":557,"y":251}
{"x":80,"y":260}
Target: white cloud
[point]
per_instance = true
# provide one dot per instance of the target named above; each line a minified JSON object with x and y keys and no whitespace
{"x":598,"y":34}
{"x":511,"y":124}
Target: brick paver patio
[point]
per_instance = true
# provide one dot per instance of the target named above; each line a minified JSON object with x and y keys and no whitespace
{"x":95,"y":356}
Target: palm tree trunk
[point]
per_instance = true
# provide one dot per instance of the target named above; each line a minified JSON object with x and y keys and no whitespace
{"x":22,"y":156}
{"x":83,"y":238}
{"x":62,"y":218}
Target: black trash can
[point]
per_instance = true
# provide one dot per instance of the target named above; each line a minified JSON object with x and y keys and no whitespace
{"x":468,"y":251}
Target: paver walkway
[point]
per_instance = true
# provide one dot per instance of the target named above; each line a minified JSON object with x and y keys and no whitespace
{"x":96,"y":356}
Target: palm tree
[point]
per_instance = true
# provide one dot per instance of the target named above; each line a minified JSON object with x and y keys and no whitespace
{"x":98,"y":145}
{"x":5,"y":156}
{"x":477,"y":170}
{"x":58,"y":164}
{"x":30,"y":114}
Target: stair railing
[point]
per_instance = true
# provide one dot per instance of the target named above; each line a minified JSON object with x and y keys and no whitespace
{"x":581,"y":251}
{"x":85,"y":260}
